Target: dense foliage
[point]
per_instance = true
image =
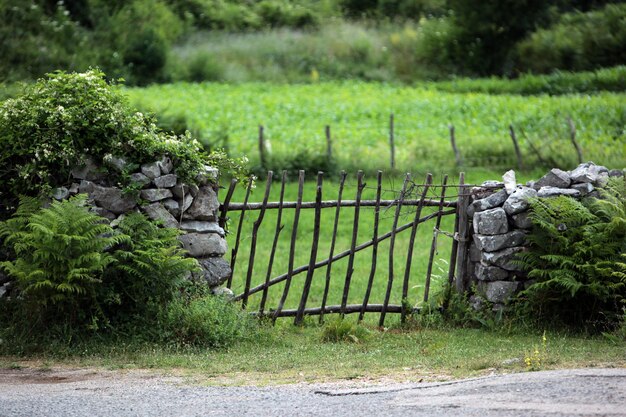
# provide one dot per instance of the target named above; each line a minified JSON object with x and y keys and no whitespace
{"x":134,"y":39}
{"x":45,"y":133}
{"x":578,"y":258}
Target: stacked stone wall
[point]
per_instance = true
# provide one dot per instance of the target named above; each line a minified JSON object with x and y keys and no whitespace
{"x":500,"y":222}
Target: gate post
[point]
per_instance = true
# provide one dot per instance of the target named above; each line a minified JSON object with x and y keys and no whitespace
{"x":462,"y":236}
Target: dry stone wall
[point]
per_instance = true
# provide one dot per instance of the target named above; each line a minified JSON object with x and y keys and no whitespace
{"x":160,"y":195}
{"x":500,"y":223}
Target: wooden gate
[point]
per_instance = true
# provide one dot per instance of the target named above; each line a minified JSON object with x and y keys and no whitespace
{"x":419,"y":203}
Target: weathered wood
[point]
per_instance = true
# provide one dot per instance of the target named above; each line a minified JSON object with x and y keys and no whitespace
{"x":392,"y":145}
{"x":457,"y":154}
{"x":409,"y":256}
{"x":262,"y":148}
{"x":255,"y":233}
{"x":314,"y":245}
{"x":329,"y":143}
{"x":370,"y":280}
{"x":518,"y":153}
{"x":392,"y":243}
{"x":292,"y":246}
{"x":334,"y":203}
{"x":233,"y":257}
{"x":279,"y":228}
{"x":342,"y":181}
{"x":572,"y":137}
{"x":433,"y":244}
{"x":342,"y":255}
{"x":355,"y":235}
{"x":452,"y":265}
{"x":463,"y":236}
{"x":349,"y":309}
{"x":224,"y":207}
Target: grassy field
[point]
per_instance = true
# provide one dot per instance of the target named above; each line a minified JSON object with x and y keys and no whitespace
{"x":294,"y":117}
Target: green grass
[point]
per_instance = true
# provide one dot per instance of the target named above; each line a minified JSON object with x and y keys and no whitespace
{"x":288,"y":354}
{"x":294,"y":117}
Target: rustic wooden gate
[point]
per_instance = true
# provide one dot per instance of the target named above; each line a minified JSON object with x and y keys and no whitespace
{"x":436,"y":199}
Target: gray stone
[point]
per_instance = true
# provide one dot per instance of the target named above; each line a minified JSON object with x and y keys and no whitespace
{"x":155,"y":194}
{"x":151,"y":170}
{"x":587,"y":172}
{"x":186,"y":203}
{"x":60,"y":193}
{"x":490,"y":273}
{"x":545,"y":192}
{"x":522,"y":220}
{"x":555,"y":178}
{"x":165,"y":181}
{"x":494,"y":200}
{"x":102,"y":212}
{"x":616,"y":173}
{"x":602,"y":180}
{"x":112,"y":199}
{"x":223,"y":292}
{"x":157,"y":212}
{"x":518,"y":200}
{"x":585,"y":188}
{"x":202,"y":227}
{"x":509,"y":181}
{"x":180,"y":190}
{"x":504,"y":258}
{"x":117,"y":221}
{"x":205,"y":205}
{"x":165,"y":165}
{"x":140,"y":179}
{"x":172,"y":206}
{"x":214,"y":271}
{"x":494,"y":243}
{"x":477,"y":302}
{"x":3,"y":291}
{"x":86,"y":187}
{"x":117,"y":163}
{"x":208,"y":175}
{"x":499,"y":291}
{"x":194,"y":189}
{"x":202,"y":245}
{"x":491,"y":222}
{"x":88,"y":170}
{"x":74,"y":188}
{"x":492,"y":184}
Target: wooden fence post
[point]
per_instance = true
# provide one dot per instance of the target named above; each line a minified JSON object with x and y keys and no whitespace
{"x":329,"y":144}
{"x":462,"y":236}
{"x":262,"y":149}
{"x":518,"y":153}
{"x":392,"y":145}
{"x":457,"y":154}
{"x":572,"y":137}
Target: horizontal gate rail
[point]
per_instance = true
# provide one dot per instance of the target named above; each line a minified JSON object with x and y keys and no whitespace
{"x":334,"y":203}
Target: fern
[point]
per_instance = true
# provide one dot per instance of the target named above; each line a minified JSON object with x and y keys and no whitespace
{"x":577,"y":253}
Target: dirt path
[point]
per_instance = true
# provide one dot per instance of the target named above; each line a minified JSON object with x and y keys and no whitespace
{"x":87,"y":392}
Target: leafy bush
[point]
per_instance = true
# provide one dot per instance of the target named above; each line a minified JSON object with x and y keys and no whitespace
{"x":47,"y":131}
{"x":577,"y":257}
{"x":59,"y":260}
{"x":578,"y":42}
{"x":207,"y":321}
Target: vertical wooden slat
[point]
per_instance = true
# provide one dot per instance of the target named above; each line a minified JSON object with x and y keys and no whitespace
{"x":292,"y":246}
{"x":355,"y":235}
{"x":392,"y":242}
{"x":370,"y":281}
{"x":409,"y":256}
{"x":342,"y":181}
{"x":314,"y":245}
{"x":433,"y":245}
{"x":279,"y":228}
{"x":463,"y":236}
{"x":255,"y":232}
{"x":392,"y":144}
{"x":233,"y":257}
{"x":229,"y":195}
{"x":453,"y":254}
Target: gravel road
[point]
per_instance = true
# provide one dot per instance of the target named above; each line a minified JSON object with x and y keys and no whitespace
{"x":578,"y":392}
